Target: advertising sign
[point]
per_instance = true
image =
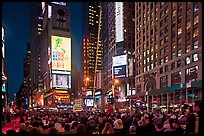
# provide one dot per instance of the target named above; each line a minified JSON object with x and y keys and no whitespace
{"x":89,"y":102}
{"x":131,"y":67}
{"x":119,"y":21}
{"x":61,"y":81}
{"x":3,"y":88}
{"x":3,"y":40}
{"x":120,"y":60}
{"x":119,"y":71}
{"x":78,"y":104}
{"x":121,"y":95}
{"x":98,"y":85}
{"x":61,"y":53}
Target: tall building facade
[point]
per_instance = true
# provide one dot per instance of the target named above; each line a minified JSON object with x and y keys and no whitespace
{"x":36,"y":27}
{"x":55,"y":56}
{"x":4,"y":75}
{"x":118,"y":41}
{"x":91,"y":44}
{"x":168,"y":53}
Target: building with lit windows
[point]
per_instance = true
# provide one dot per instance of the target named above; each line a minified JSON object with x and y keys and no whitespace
{"x":118,"y":38}
{"x":168,"y":53}
{"x":55,"y":57}
{"x":4,"y":76}
{"x":36,"y":27}
{"x":91,"y":57}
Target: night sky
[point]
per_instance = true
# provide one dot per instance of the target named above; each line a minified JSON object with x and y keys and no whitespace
{"x":15,"y":20}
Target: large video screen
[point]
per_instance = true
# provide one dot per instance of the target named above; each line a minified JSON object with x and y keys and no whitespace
{"x":61,"y":53}
{"x":89,"y":102}
{"x":61,"y":81}
{"x":119,"y":66}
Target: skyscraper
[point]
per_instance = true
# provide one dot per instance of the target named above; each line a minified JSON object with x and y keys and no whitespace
{"x":36,"y":27}
{"x":168,"y":48}
{"x":55,"y":55}
{"x":118,"y":42}
{"x":91,"y":56}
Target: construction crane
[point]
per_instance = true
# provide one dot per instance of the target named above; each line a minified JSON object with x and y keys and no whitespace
{"x":97,"y":48}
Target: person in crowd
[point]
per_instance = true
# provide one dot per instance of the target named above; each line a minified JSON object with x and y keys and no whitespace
{"x":53,"y":131}
{"x":156,"y":119}
{"x":198,"y":114}
{"x":34,"y":131}
{"x":10,"y":132}
{"x":132,"y":130}
{"x":190,"y":126}
{"x":177,"y":128}
{"x":81,"y":129}
{"x":101,"y":124}
{"x":73,"y":128}
{"x":158,"y":128}
{"x":108,"y":129}
{"x":66,"y":128}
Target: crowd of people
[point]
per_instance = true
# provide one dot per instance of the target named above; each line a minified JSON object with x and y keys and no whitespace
{"x":128,"y":122}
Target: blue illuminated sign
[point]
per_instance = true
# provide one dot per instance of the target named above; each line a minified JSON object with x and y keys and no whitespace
{"x":119,"y":71}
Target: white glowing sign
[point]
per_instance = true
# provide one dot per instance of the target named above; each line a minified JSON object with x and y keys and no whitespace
{"x":120,"y":60}
{"x":119,"y":21}
{"x":60,"y":3}
{"x":3,"y":40}
{"x":49,"y":11}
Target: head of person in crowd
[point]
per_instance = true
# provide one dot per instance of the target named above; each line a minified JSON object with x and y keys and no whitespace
{"x":53,"y":131}
{"x":27,"y":123}
{"x":190,"y":109}
{"x":158,"y":126}
{"x":81,"y":129}
{"x":132,"y":130}
{"x":34,"y":131}
{"x":10,"y":132}
{"x":108,"y":129}
{"x":51,"y":124}
{"x":22,"y":126}
{"x":100,"y":120}
{"x":74,"y":125}
{"x":118,"y":124}
{"x":66,"y":127}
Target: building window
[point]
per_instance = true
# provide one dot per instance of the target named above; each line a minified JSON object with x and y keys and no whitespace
{"x":161,"y":51}
{"x":188,"y":12}
{"x":179,"y":41}
{"x":162,"y":42}
{"x":161,"y":61}
{"x":196,"y":19}
{"x":155,"y":64}
{"x":174,"y":13}
{"x":195,"y":32}
{"x":178,"y":63}
{"x":144,"y":69}
{"x":144,"y":61}
{"x":188,"y":25}
{"x":147,"y":68}
{"x":161,"y":70}
{"x":188,"y":48}
{"x":179,"y":19}
{"x":156,"y":55}
{"x":166,"y":59}
{"x":152,"y":66}
{"x":173,"y":23}
{"x":173,"y":55}
{"x":188,"y":35}
{"x":152,"y":57}
{"x":195,"y":8}
{"x":195,"y":44}
{"x":166,"y":29}
{"x":163,"y":81}
{"x":173,"y":66}
{"x":195,"y":57}
{"x":188,"y":60}
{"x":179,"y":53}
{"x":176,"y":78}
{"x":148,"y":60}
{"x":191,"y":73}
{"x":166,"y":39}
{"x":174,"y":45}
{"x":166,"y":68}
{"x":179,"y":31}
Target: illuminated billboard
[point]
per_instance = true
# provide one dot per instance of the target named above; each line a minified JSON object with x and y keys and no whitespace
{"x":89,"y":102}
{"x":61,"y":53}
{"x":119,"y":21}
{"x":61,"y":81}
{"x":119,"y":66}
{"x":120,"y":60}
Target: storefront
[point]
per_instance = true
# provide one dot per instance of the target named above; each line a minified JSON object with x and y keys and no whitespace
{"x":172,"y":98}
{"x":57,"y":99}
